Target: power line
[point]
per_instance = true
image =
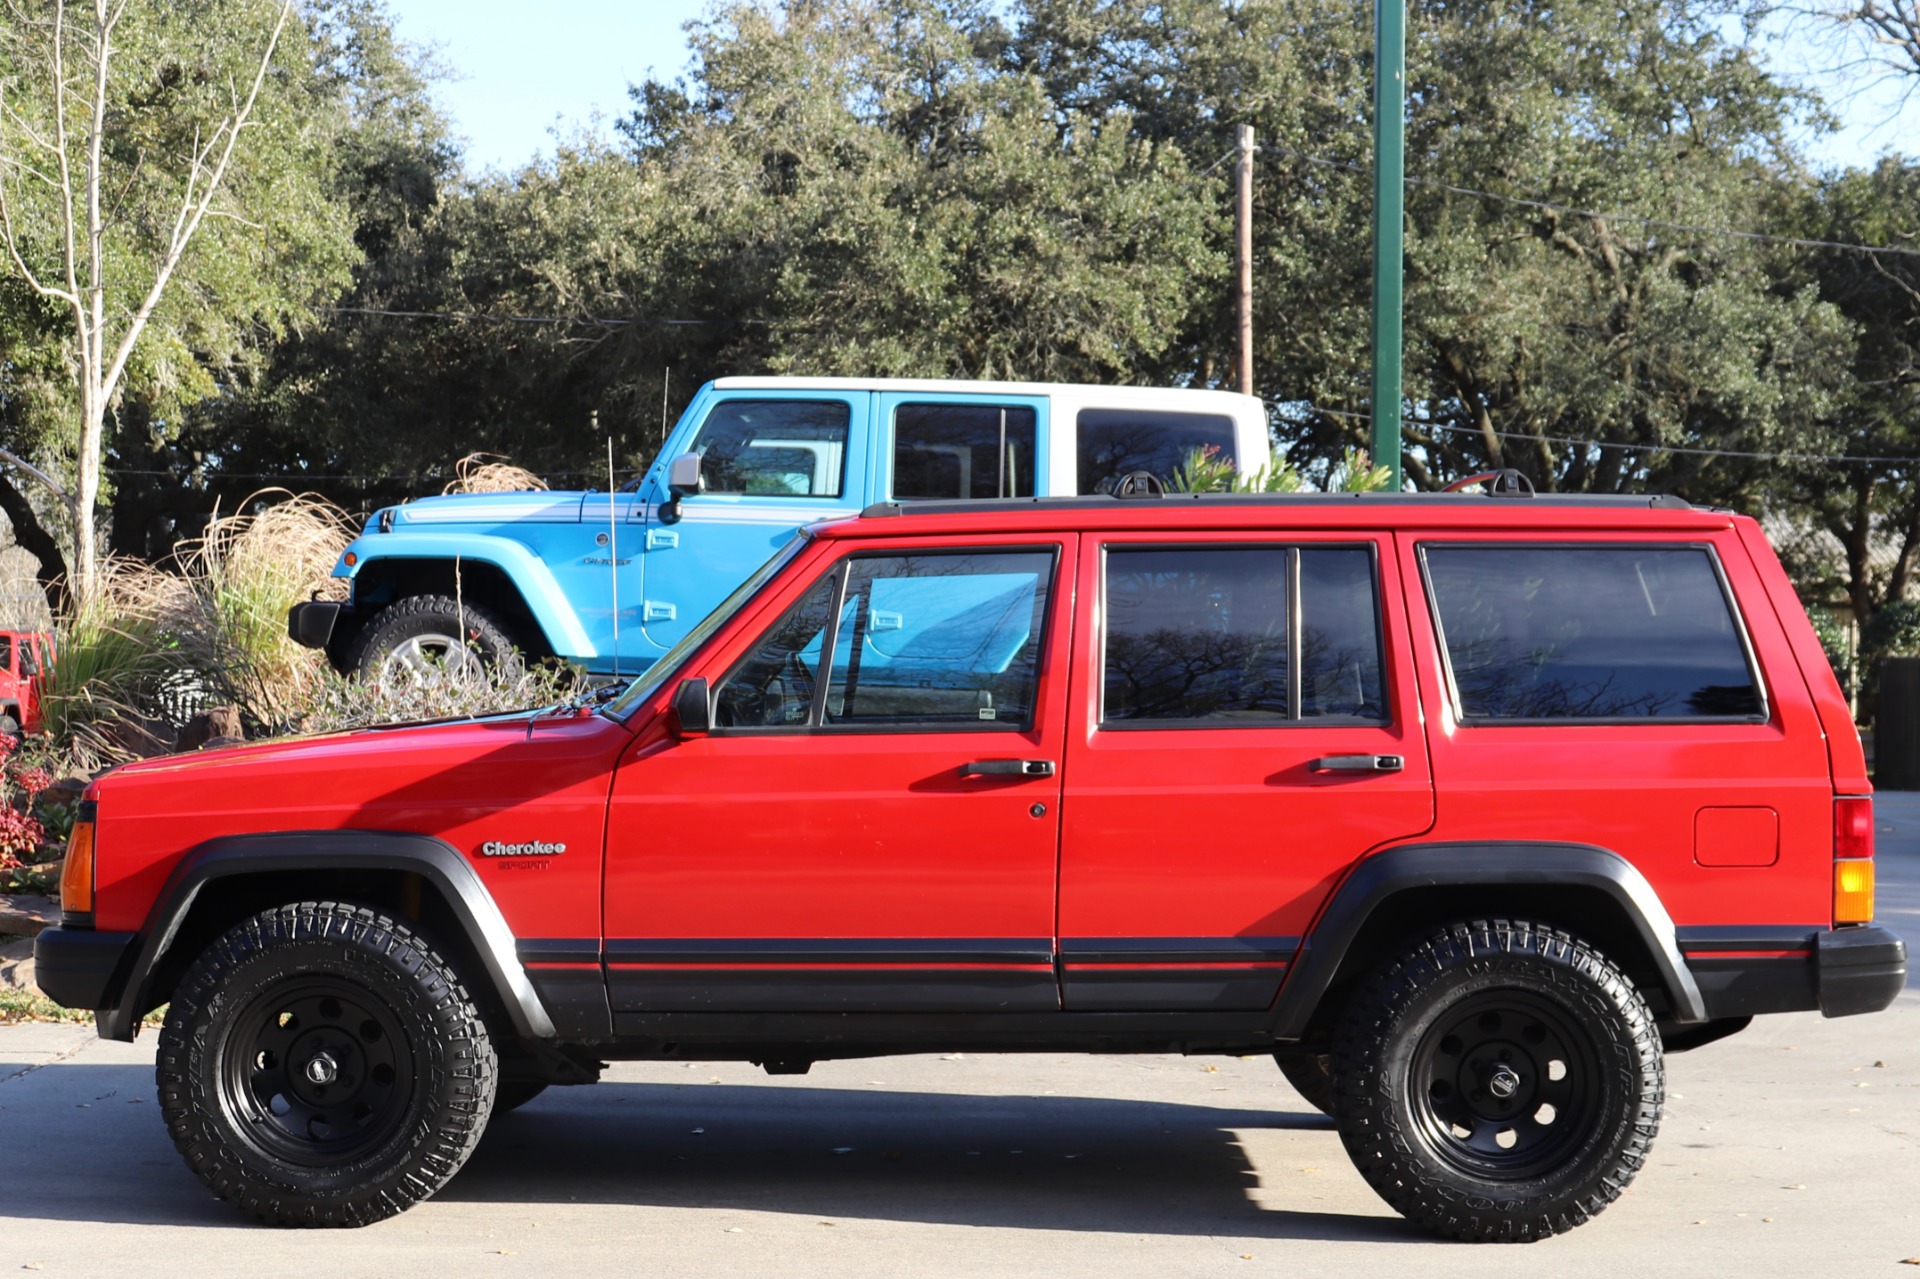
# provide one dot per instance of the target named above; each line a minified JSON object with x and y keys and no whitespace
{"x":1661,"y":223}
{"x":581,"y":321}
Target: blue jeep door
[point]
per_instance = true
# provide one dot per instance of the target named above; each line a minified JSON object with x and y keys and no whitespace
{"x":771,"y":461}
{"x":961,"y":445}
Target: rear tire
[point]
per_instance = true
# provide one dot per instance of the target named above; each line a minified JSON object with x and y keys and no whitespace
{"x":429,"y":638}
{"x":1499,"y":1081}
{"x":322,"y":1065}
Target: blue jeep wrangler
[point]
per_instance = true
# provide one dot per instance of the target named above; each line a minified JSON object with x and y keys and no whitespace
{"x":611,"y":581}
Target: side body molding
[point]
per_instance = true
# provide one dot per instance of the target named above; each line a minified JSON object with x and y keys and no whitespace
{"x":1493,"y":864}
{"x":333,"y":851}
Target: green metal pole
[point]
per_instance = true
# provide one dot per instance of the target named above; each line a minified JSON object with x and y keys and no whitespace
{"x":1389,"y":184}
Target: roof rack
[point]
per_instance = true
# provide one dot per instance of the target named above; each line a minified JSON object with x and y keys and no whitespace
{"x":1173,"y":501}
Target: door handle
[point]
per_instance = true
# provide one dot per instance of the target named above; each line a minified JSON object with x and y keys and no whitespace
{"x":1008,"y":768}
{"x":1358,"y":764}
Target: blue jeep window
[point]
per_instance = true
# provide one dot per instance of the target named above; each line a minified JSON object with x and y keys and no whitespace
{"x":940,"y":640}
{"x":1118,"y":442}
{"x":1589,"y":633}
{"x":1207,"y":635}
{"x":778,"y":448}
{"x":963,"y":451}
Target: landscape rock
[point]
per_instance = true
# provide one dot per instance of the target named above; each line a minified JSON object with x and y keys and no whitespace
{"x":218,"y":724}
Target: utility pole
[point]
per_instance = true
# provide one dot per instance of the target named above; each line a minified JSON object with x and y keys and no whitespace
{"x":1244,"y":370}
{"x":1389,"y":185}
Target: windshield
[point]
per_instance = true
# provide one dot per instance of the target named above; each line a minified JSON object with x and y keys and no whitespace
{"x":674,"y":658}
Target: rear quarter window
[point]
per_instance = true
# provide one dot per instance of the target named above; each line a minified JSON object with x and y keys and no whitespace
{"x":1598,"y":633}
{"x":1117,"y":442}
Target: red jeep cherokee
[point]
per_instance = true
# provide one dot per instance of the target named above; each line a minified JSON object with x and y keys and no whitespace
{"x":1462,"y":807}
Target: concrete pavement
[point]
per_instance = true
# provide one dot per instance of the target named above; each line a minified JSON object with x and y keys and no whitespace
{"x":1792,"y":1148}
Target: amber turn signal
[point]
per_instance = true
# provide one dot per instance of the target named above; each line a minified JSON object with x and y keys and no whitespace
{"x":76,"y":877}
{"x":1853,"y":892}
{"x":351,"y":559}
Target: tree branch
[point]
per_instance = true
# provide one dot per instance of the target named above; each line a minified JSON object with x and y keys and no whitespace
{"x":21,"y":464}
{"x":185,"y":230}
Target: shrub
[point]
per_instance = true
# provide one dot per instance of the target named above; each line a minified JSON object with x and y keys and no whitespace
{"x":1205,"y":470}
{"x":339,"y":702}
{"x":117,"y":660}
{"x":240,"y":579}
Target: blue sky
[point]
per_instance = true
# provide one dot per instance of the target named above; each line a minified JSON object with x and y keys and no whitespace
{"x":518,"y":70}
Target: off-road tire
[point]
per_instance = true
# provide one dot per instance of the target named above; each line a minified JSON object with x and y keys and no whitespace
{"x":373,"y":996}
{"x":1486,"y":1008}
{"x":429,"y":624}
{"x":1310,"y":1072}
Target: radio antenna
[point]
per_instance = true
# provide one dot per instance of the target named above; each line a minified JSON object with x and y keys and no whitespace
{"x":613,"y":550}
{"x":666,"y":380}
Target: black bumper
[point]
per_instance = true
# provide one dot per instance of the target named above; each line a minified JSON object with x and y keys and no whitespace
{"x":1745,"y":972}
{"x":1859,"y":970}
{"x":80,"y":968}
{"x":311,"y":622}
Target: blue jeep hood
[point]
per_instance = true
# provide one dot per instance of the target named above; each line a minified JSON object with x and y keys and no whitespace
{"x":561,"y":507}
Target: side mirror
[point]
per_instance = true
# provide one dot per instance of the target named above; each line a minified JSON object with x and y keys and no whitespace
{"x":692,"y":708}
{"x":28,"y":667}
{"x":683,"y":480}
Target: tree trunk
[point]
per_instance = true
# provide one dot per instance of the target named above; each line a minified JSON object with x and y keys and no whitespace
{"x":33,"y":538}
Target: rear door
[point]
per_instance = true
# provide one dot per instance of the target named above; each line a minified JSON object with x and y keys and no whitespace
{"x":1244,"y":726}
{"x":948,"y":446}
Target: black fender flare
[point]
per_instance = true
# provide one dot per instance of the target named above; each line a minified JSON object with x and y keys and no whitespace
{"x":334,"y":850}
{"x":1494,"y":863}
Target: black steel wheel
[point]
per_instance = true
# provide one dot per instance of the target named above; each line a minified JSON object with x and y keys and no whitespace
{"x":322,"y":1065}
{"x":1310,"y":1071}
{"x":315,"y":1071}
{"x":1499,"y":1081}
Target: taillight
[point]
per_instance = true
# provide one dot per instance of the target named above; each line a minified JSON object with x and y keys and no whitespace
{"x":76,"y":876}
{"x":1853,"y":860}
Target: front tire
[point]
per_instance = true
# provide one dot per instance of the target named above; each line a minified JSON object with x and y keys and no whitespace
{"x":429,"y":638}
{"x":322,"y":1065}
{"x":1499,"y":1081}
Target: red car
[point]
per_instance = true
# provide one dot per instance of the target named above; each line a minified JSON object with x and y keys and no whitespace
{"x":25,"y":659}
{"x":1466,"y":808}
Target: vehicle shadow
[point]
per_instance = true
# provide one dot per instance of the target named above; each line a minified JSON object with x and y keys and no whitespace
{"x":1034,"y":1163}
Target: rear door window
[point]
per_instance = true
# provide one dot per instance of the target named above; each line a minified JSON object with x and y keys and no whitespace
{"x":1223,"y":635}
{"x":963,"y":451}
{"x":775,"y":448}
{"x":1113,"y":443}
{"x":1554,"y":633}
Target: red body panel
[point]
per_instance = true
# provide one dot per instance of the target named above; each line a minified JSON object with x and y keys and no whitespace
{"x":462,"y":783}
{"x":1194,"y":833}
{"x":1636,"y":789}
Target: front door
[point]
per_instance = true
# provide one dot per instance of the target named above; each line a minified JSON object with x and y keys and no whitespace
{"x":1244,"y":726}
{"x":872,"y":824}
{"x":770,"y":463}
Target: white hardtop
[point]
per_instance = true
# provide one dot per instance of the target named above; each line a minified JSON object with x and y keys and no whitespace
{"x":1084,"y":393}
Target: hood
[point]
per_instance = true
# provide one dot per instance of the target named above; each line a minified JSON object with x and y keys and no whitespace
{"x":487,"y":508}
{"x":313,"y":775}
